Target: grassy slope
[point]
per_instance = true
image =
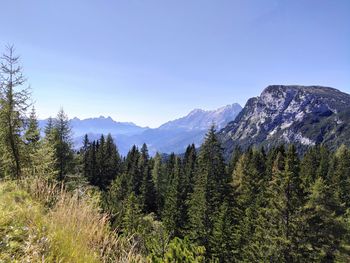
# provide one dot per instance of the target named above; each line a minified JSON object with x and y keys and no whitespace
{"x":71,"y":230}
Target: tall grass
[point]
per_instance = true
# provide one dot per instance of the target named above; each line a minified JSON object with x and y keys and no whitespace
{"x":70,"y":223}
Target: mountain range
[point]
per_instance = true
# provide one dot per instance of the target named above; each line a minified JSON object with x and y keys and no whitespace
{"x":172,"y":136}
{"x":282,"y":114}
{"x":303,"y":115}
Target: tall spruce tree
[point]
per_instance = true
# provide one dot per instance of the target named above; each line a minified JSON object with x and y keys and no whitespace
{"x":171,"y":214}
{"x":112,"y":162}
{"x":249,"y":183}
{"x":132,"y":169}
{"x":14,"y":102}
{"x":324,"y":229}
{"x":62,"y":140}
{"x":340,"y":174}
{"x":211,"y":188}
{"x":160,"y":182}
{"x":32,"y":140}
{"x":285,"y":199}
{"x":148,"y":192}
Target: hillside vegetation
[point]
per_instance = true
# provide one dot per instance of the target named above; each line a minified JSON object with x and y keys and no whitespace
{"x":94,"y":205}
{"x":40,"y":222}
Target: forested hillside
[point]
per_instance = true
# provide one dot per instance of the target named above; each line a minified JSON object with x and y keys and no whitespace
{"x":94,"y":205}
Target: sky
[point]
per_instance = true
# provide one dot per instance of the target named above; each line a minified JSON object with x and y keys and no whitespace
{"x":150,"y":61}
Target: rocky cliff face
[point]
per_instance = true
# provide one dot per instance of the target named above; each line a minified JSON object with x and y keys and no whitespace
{"x":304,"y":115}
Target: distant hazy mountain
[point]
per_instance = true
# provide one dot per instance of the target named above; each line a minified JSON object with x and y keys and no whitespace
{"x":173,"y":136}
{"x":303,"y":115}
{"x":201,"y":120}
{"x":101,"y":125}
{"x":176,"y":135}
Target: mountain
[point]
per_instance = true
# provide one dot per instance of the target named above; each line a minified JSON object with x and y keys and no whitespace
{"x":199,"y":119}
{"x":100,"y":125}
{"x":94,"y":127}
{"x":176,"y":135}
{"x":304,"y":115}
{"x":173,"y":136}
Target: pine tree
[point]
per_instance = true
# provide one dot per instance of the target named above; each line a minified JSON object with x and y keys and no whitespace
{"x":324,"y":162}
{"x":132,"y":219}
{"x":32,"y":133}
{"x":132,"y":169}
{"x":276,"y":242}
{"x":115,"y":199}
{"x":237,"y":153}
{"x":308,"y":173}
{"x":283,"y":213}
{"x":13,"y":107}
{"x":91,"y":170}
{"x":112,"y":162}
{"x":171,"y":215}
{"x":160,"y":182}
{"x":43,"y":161}
{"x":31,"y":139}
{"x":100,"y":161}
{"x":223,"y":239}
{"x":85,"y":152}
{"x":62,"y":140}
{"x":186,"y":186}
{"x":324,"y":230}
{"x":148,"y":192}
{"x":211,"y":188}
{"x":340,"y":174}
{"x":49,"y":127}
{"x":249,"y":183}
{"x":198,"y":223}
{"x":190,"y":165}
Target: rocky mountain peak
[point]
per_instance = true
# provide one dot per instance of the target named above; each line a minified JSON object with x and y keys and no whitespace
{"x":199,"y":119}
{"x":280,"y":115}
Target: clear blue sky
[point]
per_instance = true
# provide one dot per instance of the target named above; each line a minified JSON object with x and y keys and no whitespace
{"x":149,"y":61}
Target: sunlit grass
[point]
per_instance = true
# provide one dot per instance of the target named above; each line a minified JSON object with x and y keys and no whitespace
{"x":68,"y":228}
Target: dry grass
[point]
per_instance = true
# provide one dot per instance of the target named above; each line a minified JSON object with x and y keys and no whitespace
{"x":71,"y":225}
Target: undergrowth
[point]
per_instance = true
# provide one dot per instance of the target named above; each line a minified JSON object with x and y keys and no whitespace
{"x":42,"y":222}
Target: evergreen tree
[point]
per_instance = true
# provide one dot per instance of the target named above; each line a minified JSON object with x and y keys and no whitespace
{"x":160,"y":182}
{"x":100,"y":161}
{"x":340,"y":174}
{"x":190,"y":165}
{"x":324,"y":230}
{"x":32,"y":140}
{"x":171,"y":214}
{"x":223,"y":240}
{"x":62,"y":137}
{"x":197,"y":213}
{"x":180,"y":250}
{"x":237,"y":153}
{"x":13,"y":107}
{"x":132,"y":220}
{"x":132,"y":169}
{"x":249,"y":183}
{"x":186,"y":186}
{"x":211,"y":188}
{"x":115,"y":200}
{"x":283,"y":213}
{"x":43,"y":162}
{"x":32,"y":134}
{"x":91,"y":169}
{"x":49,"y":127}
{"x":111,"y":162}
{"x":85,"y":153}
{"x":148,"y":192}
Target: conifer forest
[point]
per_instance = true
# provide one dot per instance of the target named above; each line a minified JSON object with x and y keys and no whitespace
{"x":259,"y":204}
